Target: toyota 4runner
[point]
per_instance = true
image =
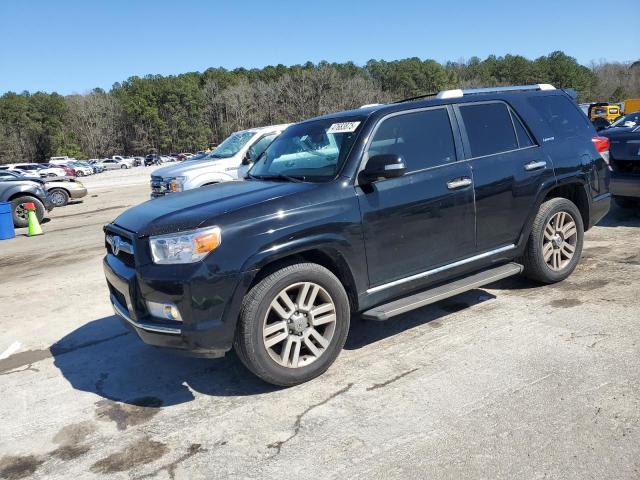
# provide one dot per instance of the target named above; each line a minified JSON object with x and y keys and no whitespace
{"x":379,"y":210}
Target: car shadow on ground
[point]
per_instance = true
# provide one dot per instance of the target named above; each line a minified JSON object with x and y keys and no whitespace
{"x":106,"y":358}
{"x":621,"y":217}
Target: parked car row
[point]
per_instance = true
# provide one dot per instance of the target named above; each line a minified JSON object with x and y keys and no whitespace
{"x":44,"y":193}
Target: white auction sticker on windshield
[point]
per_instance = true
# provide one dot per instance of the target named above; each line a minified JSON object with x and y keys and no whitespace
{"x":344,"y":127}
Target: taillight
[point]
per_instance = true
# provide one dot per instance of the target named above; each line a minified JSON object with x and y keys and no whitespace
{"x":602,"y":146}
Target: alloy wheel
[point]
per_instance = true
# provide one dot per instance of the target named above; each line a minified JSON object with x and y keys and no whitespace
{"x":559,"y":241}
{"x":21,"y":211}
{"x":299,"y":324}
{"x":57,"y":198}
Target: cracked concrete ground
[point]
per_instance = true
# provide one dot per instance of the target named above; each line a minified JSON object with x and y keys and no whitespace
{"x":511,"y":381}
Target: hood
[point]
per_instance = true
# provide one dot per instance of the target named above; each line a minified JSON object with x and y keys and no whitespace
{"x":202,"y":206}
{"x":186,"y":167}
{"x":617,"y":131}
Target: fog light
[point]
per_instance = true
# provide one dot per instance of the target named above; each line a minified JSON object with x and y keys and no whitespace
{"x":167,"y":311}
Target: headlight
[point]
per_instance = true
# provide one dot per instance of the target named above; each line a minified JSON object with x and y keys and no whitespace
{"x":177,"y":184}
{"x":185,"y":247}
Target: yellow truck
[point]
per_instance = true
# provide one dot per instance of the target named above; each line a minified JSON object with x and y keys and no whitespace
{"x":604,"y":110}
{"x":631,"y":105}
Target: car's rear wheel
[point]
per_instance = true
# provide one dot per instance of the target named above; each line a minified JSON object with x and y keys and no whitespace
{"x":293,"y":324}
{"x":626,"y":202}
{"x":555,"y":243}
{"x":59,"y":197}
{"x":79,"y":173}
{"x":20,"y":213}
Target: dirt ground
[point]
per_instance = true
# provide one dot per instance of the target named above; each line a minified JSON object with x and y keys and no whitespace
{"x":512,"y":381}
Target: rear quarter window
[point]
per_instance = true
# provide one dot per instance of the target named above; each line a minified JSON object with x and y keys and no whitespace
{"x":560,"y":115}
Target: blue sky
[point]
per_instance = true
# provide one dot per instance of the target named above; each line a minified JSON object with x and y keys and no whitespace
{"x":72,"y":46}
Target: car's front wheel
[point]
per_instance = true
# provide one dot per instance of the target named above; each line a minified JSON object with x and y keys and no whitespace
{"x":293,"y":324}
{"x":59,"y":197}
{"x":123,"y":167}
{"x":555,"y":243}
{"x":20,"y":212}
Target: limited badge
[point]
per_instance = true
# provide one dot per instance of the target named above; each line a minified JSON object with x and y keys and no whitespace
{"x":343,"y":127}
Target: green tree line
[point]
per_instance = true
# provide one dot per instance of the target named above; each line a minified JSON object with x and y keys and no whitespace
{"x":187,"y":112}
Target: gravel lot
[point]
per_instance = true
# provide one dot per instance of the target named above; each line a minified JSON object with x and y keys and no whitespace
{"x":512,"y":381}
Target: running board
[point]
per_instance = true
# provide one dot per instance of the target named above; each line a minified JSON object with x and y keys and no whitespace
{"x":406,"y":304}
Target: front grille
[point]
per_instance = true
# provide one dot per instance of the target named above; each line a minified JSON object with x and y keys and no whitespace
{"x":159,"y":186}
{"x":121,"y":246}
{"x":119,"y":297}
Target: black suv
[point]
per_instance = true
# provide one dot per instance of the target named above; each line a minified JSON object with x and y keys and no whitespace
{"x":379,"y":210}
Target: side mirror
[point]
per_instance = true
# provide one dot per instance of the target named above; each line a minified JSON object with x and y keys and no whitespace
{"x":383,"y":166}
{"x":248,"y":158}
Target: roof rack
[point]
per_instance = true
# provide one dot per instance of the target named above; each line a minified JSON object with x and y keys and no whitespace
{"x":419,"y":97}
{"x":474,"y":91}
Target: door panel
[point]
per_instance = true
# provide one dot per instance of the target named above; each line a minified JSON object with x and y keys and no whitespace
{"x":416,"y":222}
{"x":508,"y":170}
{"x":506,"y":187}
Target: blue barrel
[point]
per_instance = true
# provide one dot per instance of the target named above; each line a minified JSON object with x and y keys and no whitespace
{"x":6,"y":221}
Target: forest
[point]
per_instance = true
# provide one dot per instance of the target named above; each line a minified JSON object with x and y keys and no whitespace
{"x":190,"y":111}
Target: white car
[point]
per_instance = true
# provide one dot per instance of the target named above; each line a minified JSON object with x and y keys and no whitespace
{"x":24,"y":173}
{"x":38,"y":169}
{"x":221,"y":165}
{"x":111,"y":164}
{"x":128,"y":160}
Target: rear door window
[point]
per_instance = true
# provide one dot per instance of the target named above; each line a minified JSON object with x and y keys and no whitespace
{"x":423,"y":139}
{"x":560,"y":115}
{"x":489,"y":128}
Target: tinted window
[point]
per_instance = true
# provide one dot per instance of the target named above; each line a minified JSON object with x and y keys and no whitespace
{"x":524,"y":139}
{"x":489,"y":128}
{"x":423,"y":139}
{"x":562,"y":117}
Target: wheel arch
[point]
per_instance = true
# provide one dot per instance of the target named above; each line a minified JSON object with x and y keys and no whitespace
{"x":327,"y":256}
{"x":574,"y":190}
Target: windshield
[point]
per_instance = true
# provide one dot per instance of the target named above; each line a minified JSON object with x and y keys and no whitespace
{"x":232,"y":145}
{"x":630,"y":120}
{"x":311,"y":151}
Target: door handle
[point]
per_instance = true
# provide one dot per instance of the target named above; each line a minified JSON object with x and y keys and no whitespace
{"x":531,"y":166}
{"x":459,"y":183}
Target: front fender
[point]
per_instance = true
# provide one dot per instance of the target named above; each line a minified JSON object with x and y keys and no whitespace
{"x":205,"y":178}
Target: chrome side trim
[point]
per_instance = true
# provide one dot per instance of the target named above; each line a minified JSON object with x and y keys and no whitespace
{"x":143,"y":326}
{"x":440,"y":269}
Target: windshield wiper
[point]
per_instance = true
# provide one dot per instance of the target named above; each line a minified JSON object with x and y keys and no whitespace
{"x":279,"y":176}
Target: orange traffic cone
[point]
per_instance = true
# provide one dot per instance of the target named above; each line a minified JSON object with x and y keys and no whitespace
{"x":34,"y":225}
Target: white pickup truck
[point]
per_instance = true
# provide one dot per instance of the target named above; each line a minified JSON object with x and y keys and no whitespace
{"x":221,"y":165}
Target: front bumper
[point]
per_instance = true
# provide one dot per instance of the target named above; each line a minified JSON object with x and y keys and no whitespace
{"x":78,"y":192}
{"x":209,"y":304}
{"x":625,"y":185}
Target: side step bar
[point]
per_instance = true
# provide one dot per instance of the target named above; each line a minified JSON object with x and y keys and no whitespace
{"x":406,"y":304}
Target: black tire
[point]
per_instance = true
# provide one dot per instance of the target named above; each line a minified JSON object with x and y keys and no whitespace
{"x":626,"y":202}
{"x":249,"y":343}
{"x":79,"y":174}
{"x":123,"y":167}
{"x":59,"y":197}
{"x":535,"y":266}
{"x":20,"y":219}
